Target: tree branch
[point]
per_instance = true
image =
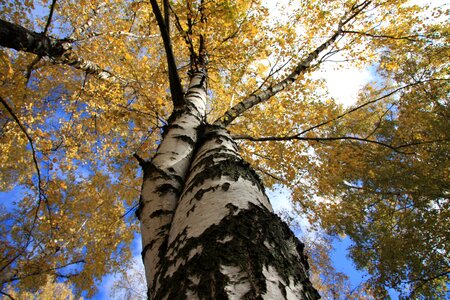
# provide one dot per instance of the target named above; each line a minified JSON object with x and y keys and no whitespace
{"x":30,"y":142}
{"x":202,"y":51}
{"x":186,"y":37}
{"x":423,"y":281}
{"x":174,"y":79}
{"x":411,"y":38}
{"x":304,"y":65}
{"x":166,"y":14}
{"x":54,"y":269}
{"x":49,"y":20}
{"x":7,"y":295}
{"x":365,"y":104}
{"x":58,"y":50}
{"x":41,"y":195}
{"x":299,"y":136}
{"x":327,"y":139}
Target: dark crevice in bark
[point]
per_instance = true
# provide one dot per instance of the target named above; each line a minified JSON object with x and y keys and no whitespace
{"x":187,"y":139}
{"x":198,"y":196}
{"x":176,"y":113}
{"x":170,"y":126}
{"x":167,"y":188}
{"x":195,"y":94}
{"x":233,"y":168}
{"x":282,"y":288}
{"x":250,"y":231}
{"x":161,"y":212}
{"x":231,"y":165}
{"x":212,"y":155}
{"x":221,"y":149}
{"x":152,"y":172}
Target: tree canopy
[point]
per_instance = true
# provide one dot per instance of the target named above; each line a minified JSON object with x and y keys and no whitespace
{"x":89,"y":89}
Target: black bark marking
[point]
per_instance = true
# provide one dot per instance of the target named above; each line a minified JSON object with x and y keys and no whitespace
{"x":220,"y":149}
{"x":208,"y":160}
{"x":147,"y":248}
{"x":187,"y":139}
{"x":166,"y":188}
{"x":153,"y":172}
{"x":233,"y":168}
{"x":200,"y":85}
{"x":282,"y":288}
{"x":233,"y":208}
{"x":161,"y":212}
{"x":192,"y":93}
{"x":250,"y":230}
{"x":171,"y":126}
{"x":186,"y":110}
{"x":198,"y":196}
{"x":226,"y":186}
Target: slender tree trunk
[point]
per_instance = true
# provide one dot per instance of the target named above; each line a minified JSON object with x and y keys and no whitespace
{"x":208,"y":228}
{"x":164,"y":178}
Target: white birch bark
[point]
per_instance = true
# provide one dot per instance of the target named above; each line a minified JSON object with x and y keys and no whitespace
{"x":164,"y":177}
{"x":224,"y":241}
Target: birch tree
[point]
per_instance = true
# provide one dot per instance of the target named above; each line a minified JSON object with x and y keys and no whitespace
{"x":195,"y":108}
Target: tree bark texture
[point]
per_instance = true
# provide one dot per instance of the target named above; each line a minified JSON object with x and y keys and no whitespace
{"x":208,"y":228}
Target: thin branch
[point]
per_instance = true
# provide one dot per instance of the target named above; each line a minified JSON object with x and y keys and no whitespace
{"x":7,"y":295}
{"x":425,"y":281}
{"x":364,"y":104}
{"x":186,"y":36}
{"x":303,"y":66}
{"x":118,"y":34}
{"x":49,"y":20}
{"x":235,"y":33}
{"x":41,"y":195}
{"x":30,"y":68}
{"x":380,"y":120}
{"x":411,"y":38}
{"x":140,"y":160}
{"x":174,"y":79}
{"x":272,"y":72}
{"x":82,"y":30}
{"x":322,"y":139}
{"x":338,"y":138}
{"x":166,"y":14}
{"x":54,"y":269}
{"x":30,"y":141}
{"x":129,"y":210}
{"x":269,"y":174}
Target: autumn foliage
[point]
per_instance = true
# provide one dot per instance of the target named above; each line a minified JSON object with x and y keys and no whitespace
{"x":376,"y":171}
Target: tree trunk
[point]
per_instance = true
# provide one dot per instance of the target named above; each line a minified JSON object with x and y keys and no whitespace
{"x":208,"y":229}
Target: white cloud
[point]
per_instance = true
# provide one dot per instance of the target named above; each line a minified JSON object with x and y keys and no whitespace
{"x":280,"y":198}
{"x":344,"y":84}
